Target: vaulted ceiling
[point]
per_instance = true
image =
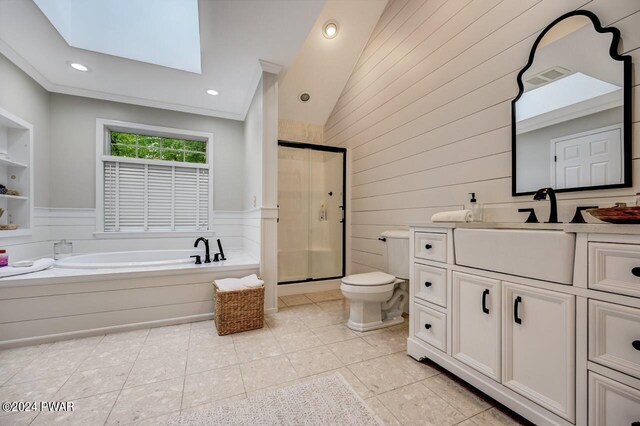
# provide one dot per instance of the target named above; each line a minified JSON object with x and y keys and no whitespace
{"x":323,"y":65}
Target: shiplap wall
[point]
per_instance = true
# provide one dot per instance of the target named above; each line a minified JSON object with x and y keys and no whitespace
{"x":426,"y":111}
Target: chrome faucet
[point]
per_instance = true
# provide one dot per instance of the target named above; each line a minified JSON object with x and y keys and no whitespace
{"x":207,"y":255}
{"x":541,"y":194}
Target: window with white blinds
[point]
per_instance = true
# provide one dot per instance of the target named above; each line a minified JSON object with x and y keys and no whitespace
{"x":142,"y":196}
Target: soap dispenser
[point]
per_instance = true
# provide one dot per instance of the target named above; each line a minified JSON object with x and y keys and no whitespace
{"x":475,"y":207}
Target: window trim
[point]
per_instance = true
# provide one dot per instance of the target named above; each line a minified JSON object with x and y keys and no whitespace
{"x":104,"y":126}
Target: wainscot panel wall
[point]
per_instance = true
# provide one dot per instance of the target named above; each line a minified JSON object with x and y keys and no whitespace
{"x":426,"y":113}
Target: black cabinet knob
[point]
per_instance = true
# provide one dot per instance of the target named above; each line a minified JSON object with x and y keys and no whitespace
{"x":635,"y":424}
{"x":428,"y":246}
{"x":636,"y":346}
{"x":427,"y":326}
{"x":636,"y":271}
{"x":427,"y":284}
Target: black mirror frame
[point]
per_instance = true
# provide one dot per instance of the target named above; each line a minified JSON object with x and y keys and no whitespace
{"x":627,"y":103}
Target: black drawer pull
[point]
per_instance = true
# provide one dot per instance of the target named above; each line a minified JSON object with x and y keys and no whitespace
{"x":636,"y":346}
{"x":636,"y":271}
{"x":427,"y":326}
{"x":429,"y":246}
{"x":427,"y":284}
{"x":516,"y":305}
{"x":635,"y":424}
{"x":485,"y":293}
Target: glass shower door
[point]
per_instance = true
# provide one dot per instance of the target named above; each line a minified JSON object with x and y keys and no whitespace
{"x":311,"y":201}
{"x":293,"y":225}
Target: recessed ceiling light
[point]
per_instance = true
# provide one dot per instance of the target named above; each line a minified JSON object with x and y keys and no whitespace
{"x":304,"y":97}
{"x":330,"y":29}
{"x":78,"y":67}
{"x":213,"y":92}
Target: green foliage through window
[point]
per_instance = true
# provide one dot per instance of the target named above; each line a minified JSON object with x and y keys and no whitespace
{"x":134,"y":145}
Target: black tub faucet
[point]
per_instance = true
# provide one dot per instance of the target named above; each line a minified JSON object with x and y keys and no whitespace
{"x":207,"y":255}
{"x":541,"y":194}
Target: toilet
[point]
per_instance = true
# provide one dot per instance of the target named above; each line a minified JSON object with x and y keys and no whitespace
{"x":377,"y":299}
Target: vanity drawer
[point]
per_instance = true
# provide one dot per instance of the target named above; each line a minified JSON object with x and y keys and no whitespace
{"x":430,"y":326}
{"x":615,"y":268}
{"x":614,"y":336}
{"x":430,"y":284}
{"x":431,"y":246}
{"x":611,"y":402}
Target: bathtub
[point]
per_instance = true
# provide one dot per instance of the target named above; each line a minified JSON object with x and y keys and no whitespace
{"x":93,"y":294}
{"x":129,"y":259}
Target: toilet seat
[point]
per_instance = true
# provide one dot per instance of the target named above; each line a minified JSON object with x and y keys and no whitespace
{"x":369,"y":279}
{"x":368,"y":289}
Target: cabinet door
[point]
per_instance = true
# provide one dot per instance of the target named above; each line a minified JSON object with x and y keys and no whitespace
{"x":476,"y":323}
{"x":538,"y":338}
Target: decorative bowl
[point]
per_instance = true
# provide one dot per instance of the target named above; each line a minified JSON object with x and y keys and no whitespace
{"x":618,"y":214}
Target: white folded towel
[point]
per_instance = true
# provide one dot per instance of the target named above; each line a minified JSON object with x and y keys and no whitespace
{"x":251,"y":281}
{"x":453,"y":216}
{"x":38,"y":265}
{"x":232,"y":284}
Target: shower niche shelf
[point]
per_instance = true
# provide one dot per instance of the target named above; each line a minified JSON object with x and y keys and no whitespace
{"x":16,"y":174}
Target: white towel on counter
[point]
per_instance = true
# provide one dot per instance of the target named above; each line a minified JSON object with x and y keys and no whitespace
{"x":453,"y":216}
{"x":232,"y":284}
{"x":38,"y":265}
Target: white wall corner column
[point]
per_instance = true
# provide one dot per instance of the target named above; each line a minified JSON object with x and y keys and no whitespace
{"x":269,"y":222}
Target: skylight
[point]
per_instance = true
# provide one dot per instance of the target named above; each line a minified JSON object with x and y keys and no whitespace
{"x":160,"y":32}
{"x":567,"y":91}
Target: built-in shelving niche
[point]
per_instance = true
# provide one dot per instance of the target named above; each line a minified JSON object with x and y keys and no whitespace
{"x":16,"y":173}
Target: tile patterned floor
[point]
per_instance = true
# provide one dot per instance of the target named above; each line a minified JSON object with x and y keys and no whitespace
{"x":146,"y":376}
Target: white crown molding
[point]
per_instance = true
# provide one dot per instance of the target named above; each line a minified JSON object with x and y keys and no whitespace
{"x":270,"y":67}
{"x":25,"y":66}
{"x":74,"y":91}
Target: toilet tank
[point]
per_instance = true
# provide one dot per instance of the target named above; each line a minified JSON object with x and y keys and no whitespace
{"x":396,"y":253}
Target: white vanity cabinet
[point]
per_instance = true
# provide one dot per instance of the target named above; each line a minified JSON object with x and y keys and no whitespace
{"x":559,"y":350}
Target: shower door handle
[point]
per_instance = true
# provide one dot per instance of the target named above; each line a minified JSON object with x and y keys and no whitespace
{"x":342,"y":209}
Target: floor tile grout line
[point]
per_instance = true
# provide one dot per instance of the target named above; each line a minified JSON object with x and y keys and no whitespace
{"x":186,"y":368}
{"x":244,"y":385}
{"x":127,"y":378}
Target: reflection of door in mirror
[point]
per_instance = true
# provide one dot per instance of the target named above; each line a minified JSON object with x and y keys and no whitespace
{"x":569,"y":119}
{"x":587,"y":159}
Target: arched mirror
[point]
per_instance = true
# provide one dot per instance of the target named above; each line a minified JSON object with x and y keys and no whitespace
{"x":571,"y":120}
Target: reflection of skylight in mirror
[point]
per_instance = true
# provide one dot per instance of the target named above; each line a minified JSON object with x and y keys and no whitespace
{"x":562,"y":93}
{"x":161,"y":32}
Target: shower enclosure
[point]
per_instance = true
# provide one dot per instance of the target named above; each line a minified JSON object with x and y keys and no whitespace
{"x":311,"y":201}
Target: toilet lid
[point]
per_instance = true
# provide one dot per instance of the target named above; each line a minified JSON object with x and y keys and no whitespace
{"x":369,"y":279}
